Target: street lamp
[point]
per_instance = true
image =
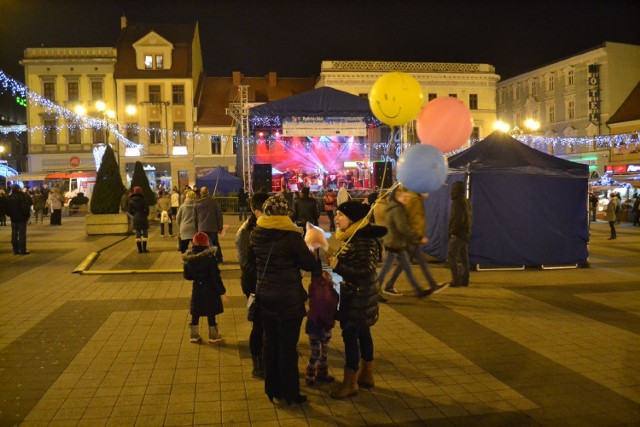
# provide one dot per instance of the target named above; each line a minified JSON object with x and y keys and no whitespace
{"x":501,"y":126}
{"x":532,"y":124}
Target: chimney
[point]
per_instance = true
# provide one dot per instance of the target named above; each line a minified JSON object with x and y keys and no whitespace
{"x":273,"y":78}
{"x":123,"y":22}
{"x":237,"y":78}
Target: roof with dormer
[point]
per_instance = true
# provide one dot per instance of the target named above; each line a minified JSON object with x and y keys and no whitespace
{"x":180,"y":35}
{"x":629,"y":110}
{"x":218,"y":92}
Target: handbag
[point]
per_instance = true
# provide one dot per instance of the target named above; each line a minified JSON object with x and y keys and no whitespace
{"x":252,"y":303}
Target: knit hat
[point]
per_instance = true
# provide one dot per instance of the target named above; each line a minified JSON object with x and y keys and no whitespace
{"x":137,"y":190}
{"x":275,"y":205}
{"x":200,"y":239}
{"x":355,"y":211}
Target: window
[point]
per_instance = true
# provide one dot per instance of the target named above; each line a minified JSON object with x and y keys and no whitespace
{"x":132,"y":132}
{"x":363,"y":95}
{"x":453,"y":95}
{"x":473,"y":101}
{"x":500,"y":96}
{"x":50,"y":132}
{"x":550,"y":82}
{"x":475,"y":134}
{"x":516,"y":92}
{"x":72,"y":91}
{"x":551,"y":114}
{"x":148,"y":62}
{"x":571,"y":110}
{"x":432,"y":96}
{"x":74,"y":133}
{"x":97,"y":135}
{"x":154,"y":93}
{"x":96,"y":90}
{"x":178,"y":94}
{"x":534,"y":87}
{"x":570,"y":77}
{"x":178,"y":131}
{"x":216,"y":144}
{"x":159,"y":62}
{"x":130,"y":94}
{"x":50,"y":91}
{"x":155,"y":136}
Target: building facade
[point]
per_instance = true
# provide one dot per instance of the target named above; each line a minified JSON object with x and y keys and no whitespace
{"x":473,"y":84}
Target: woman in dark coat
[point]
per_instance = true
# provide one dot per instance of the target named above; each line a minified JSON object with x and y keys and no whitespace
{"x":278,"y":251}
{"x":358,"y":311}
{"x":139,"y":210}
{"x":200,"y":265}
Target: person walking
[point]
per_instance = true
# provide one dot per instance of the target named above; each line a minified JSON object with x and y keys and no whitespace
{"x":243,"y":197}
{"x":610,"y":215}
{"x":164,"y":206}
{"x":19,"y":210}
{"x":55,"y":202}
{"x":207,"y":290}
{"x":460,"y":220}
{"x":359,"y":294}
{"x":330,"y":204}
{"x":248,"y":279}
{"x":185,"y":220}
{"x":139,"y":210}
{"x":208,"y":219}
{"x":397,"y":242}
{"x":39,"y":203}
{"x":3,"y":208}
{"x":279,"y":252}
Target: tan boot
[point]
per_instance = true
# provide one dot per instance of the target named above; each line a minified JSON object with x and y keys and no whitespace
{"x":348,"y":387}
{"x":365,"y":378}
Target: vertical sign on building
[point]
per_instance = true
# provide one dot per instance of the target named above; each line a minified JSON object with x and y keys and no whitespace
{"x":594,"y":94}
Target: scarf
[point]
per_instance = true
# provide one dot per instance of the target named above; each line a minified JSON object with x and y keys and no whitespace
{"x":279,"y":222}
{"x":345,"y":235}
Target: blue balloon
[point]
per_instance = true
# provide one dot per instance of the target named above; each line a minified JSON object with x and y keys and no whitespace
{"x":422,"y":168}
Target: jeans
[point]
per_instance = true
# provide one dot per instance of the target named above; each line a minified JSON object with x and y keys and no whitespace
{"x":404,"y":264}
{"x":416,"y":253}
{"x":458,"y":259}
{"x":196,"y":319}
{"x":242,"y":213}
{"x":357,"y":344}
{"x":162,"y":228}
{"x":19,"y":237}
{"x":612,"y":226}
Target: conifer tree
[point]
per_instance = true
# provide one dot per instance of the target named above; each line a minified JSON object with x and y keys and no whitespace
{"x":139,"y":179}
{"x":109,"y":187}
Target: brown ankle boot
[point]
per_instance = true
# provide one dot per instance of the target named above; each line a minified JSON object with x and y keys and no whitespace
{"x":348,"y":387}
{"x":365,"y":378}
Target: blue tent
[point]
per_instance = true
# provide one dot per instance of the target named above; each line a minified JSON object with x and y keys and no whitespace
{"x":322,"y":102}
{"x":529,"y":208}
{"x":220,"y":181}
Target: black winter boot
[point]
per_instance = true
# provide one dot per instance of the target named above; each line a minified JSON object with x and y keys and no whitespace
{"x":139,"y":245}
{"x":258,"y":368}
{"x":144,"y":246}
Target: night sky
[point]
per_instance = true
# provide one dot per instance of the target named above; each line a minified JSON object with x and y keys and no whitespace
{"x":293,"y":37}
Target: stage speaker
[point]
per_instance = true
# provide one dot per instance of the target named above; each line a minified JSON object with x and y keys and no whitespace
{"x":262,"y":177}
{"x":379,"y":172}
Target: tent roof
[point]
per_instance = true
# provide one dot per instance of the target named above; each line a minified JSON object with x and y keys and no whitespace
{"x":501,"y":152}
{"x":219,"y":174}
{"x":322,"y":102}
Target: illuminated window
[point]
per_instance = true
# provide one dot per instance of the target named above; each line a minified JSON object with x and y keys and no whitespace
{"x":154,"y":93}
{"x":148,"y":62}
{"x":72,"y":91}
{"x":50,"y":132}
{"x":473,"y":101}
{"x":159,"y":62}
{"x":154,"y":133}
{"x":178,"y":94}
{"x":216,"y":144}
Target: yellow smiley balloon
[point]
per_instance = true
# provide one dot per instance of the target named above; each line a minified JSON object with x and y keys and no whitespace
{"x":396,"y":98}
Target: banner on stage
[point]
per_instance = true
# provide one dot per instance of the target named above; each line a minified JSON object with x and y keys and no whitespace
{"x":324,"y":126}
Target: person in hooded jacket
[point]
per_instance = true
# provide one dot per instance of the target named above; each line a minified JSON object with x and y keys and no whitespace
{"x":139,"y":211}
{"x":356,"y":262}
{"x":460,"y":220}
{"x":248,"y":279}
{"x":279,"y":252}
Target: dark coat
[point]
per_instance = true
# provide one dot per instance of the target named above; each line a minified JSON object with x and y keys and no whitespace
{"x":305,"y":209}
{"x":248,"y":275}
{"x":140,"y":211}
{"x":280,"y":292}
{"x":3,"y":205}
{"x":200,"y":266}
{"x":359,"y":290}
{"x":208,"y":215}
{"x":18,"y":206}
{"x":460,"y":217}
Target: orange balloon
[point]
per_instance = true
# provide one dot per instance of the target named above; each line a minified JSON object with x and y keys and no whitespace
{"x":445,"y":123}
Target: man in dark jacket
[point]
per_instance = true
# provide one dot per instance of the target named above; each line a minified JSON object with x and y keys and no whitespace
{"x":459,"y":235}
{"x":19,"y":210}
{"x":139,"y":210}
{"x":208,"y":219}
{"x":305,"y":209}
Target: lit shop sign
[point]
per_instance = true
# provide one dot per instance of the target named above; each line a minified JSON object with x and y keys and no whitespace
{"x":622,"y":168}
{"x":324,"y":126}
{"x":594,"y":93}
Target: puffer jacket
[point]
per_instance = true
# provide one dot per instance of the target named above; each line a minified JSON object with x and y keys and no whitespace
{"x":460,"y":218}
{"x":280,"y":293}
{"x":185,"y":218}
{"x":400,"y":236}
{"x":359,"y":288}
{"x":140,"y":211}
{"x":200,"y":266}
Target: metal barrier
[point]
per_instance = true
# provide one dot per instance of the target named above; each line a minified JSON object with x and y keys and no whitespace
{"x":227,"y":204}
